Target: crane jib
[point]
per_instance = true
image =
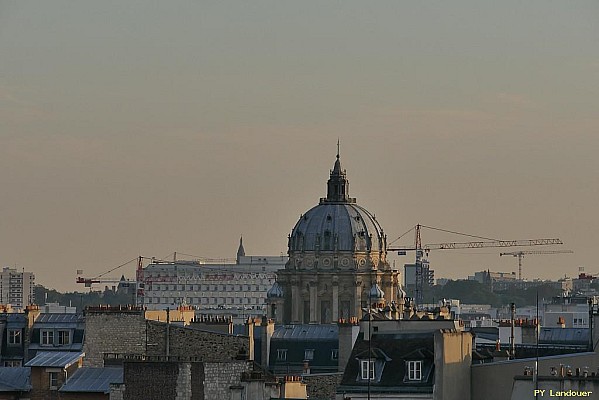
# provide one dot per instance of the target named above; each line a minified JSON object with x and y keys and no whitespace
{"x":493,"y":243}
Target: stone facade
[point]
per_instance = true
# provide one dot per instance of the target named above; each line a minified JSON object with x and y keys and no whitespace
{"x":160,"y":378}
{"x":113,"y":330}
{"x":117,"y":391}
{"x":150,"y":380}
{"x":189,"y":342}
{"x":322,"y":386}
{"x":219,"y":377}
{"x":119,"y":331}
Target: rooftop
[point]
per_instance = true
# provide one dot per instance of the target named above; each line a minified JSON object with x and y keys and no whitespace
{"x":394,"y":350}
{"x":15,"y":379}
{"x":306,"y":332}
{"x":59,"y":318}
{"x":56,"y":359}
{"x":93,"y":380}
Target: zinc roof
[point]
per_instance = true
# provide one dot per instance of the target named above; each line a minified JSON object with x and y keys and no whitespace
{"x":57,"y":359}
{"x":15,"y":379}
{"x":306,"y":332}
{"x":58,"y":318}
{"x":95,"y":380}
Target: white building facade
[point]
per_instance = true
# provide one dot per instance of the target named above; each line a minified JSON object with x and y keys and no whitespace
{"x":17,"y":288}
{"x":234,"y":284}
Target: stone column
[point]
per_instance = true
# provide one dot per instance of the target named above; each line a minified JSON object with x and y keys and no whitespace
{"x":295,"y":303}
{"x":388,"y":288}
{"x":313,"y":303}
{"x":335,"y":313}
{"x":358,"y":300}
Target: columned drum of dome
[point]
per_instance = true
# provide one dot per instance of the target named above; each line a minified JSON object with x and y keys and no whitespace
{"x":337,"y":251}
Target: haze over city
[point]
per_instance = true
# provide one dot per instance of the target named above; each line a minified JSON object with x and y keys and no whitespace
{"x":145,"y":128}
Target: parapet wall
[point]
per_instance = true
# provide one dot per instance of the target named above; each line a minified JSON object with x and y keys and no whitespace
{"x":113,"y":330}
{"x":189,"y":342}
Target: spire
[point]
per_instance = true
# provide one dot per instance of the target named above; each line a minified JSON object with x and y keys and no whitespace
{"x":337,"y":167}
{"x":240,"y":250}
{"x":338,"y":185}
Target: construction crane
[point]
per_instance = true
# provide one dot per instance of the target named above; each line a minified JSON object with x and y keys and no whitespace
{"x":421,"y":250}
{"x":521,"y":254}
{"x":138,"y":282}
{"x":88,"y":282}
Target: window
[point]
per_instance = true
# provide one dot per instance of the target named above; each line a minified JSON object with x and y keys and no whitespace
{"x":309,"y":354}
{"x":47,"y":338}
{"x":281,"y":354}
{"x":53,"y":379}
{"x":64,"y":337}
{"x":14,"y":336}
{"x":335,"y":354}
{"x":415,"y":370}
{"x":12,"y":363}
{"x":367,"y":369}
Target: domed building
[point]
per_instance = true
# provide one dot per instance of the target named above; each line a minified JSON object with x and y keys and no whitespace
{"x":337,"y":252}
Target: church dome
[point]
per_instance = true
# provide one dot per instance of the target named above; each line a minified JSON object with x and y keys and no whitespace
{"x":337,"y":223}
{"x":342,"y":227}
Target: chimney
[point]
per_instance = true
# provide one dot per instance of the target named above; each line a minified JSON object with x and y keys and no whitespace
{"x":249,"y":331}
{"x":561,"y":322}
{"x":348,"y":332}
{"x":306,"y":367}
{"x":267,"y":329}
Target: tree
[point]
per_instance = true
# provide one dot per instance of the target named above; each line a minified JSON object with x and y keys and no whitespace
{"x":81,"y":300}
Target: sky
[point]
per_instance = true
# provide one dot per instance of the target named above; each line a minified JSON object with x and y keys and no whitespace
{"x":144,"y":127}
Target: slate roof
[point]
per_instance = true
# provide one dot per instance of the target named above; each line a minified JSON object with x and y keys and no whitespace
{"x":323,"y":340}
{"x":93,"y":380}
{"x":307,"y":332}
{"x":13,"y":317}
{"x":397,"y":349}
{"x":571,"y":336}
{"x":59,"y":318}
{"x":17,"y":379}
{"x":488,"y":333}
{"x":55,"y":359}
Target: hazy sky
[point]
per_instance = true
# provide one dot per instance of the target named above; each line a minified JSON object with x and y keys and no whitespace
{"x":144,"y":127}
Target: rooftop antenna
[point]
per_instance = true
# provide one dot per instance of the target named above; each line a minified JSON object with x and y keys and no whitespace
{"x":337,"y":147}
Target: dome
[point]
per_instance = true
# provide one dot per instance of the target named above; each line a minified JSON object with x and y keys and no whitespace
{"x":376,"y":293}
{"x":275,"y":291}
{"x":342,"y":227}
{"x":337,"y":223}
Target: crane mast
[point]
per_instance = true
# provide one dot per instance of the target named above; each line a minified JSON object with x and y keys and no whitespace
{"x":520,"y":255}
{"x":422,"y":250}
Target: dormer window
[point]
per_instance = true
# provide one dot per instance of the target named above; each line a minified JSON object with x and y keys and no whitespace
{"x":64,"y":337}
{"x":47,"y":337}
{"x":309,"y":354}
{"x":282,"y":354}
{"x":414,"y":370}
{"x":14,"y":336}
{"x":372,"y":364}
{"x":367,"y":369}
